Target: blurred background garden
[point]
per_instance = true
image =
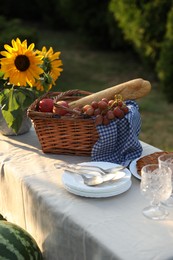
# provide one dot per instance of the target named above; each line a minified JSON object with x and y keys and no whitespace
{"x":102,"y":44}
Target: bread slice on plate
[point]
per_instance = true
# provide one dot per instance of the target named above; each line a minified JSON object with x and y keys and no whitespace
{"x":148,"y":159}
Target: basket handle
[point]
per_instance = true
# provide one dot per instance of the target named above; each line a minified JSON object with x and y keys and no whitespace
{"x":57,"y":96}
{"x":74,"y":92}
{"x":70,"y":93}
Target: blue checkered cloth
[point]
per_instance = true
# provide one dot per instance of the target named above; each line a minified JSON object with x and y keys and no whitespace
{"x":118,"y":142}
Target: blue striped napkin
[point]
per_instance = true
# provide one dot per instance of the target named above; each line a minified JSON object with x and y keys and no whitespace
{"x":118,"y":142}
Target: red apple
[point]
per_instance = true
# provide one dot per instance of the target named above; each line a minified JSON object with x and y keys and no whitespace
{"x":46,"y":105}
{"x":59,"y":110}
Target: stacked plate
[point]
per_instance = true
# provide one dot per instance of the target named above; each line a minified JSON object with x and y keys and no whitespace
{"x":74,"y":183}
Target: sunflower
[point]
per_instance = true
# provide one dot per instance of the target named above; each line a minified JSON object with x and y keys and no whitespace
{"x":44,"y":83}
{"x":51,"y":63}
{"x":21,"y":65}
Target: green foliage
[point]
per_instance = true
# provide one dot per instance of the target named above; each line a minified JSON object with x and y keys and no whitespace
{"x":13,"y":28}
{"x":51,"y":15}
{"x":25,"y":10}
{"x":93,"y":21}
{"x":165,"y":62}
{"x":148,"y":26}
{"x":143,"y":24}
{"x":14,"y":102}
{"x":90,"y":18}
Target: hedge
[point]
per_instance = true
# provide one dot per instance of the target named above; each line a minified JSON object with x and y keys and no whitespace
{"x":148,"y":26}
{"x":13,"y":28}
{"x":164,"y":66}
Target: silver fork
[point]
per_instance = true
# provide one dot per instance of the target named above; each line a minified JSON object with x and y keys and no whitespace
{"x":88,"y":168}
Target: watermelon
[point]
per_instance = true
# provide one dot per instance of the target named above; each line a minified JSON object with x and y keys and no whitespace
{"x":17,"y":244}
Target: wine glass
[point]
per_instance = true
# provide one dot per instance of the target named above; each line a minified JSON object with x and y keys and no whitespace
{"x":167,"y":160}
{"x":156,"y":186}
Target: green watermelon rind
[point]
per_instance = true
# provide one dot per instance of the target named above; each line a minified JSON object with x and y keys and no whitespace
{"x":16,"y":243}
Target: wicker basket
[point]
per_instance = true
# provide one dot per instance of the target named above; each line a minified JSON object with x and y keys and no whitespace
{"x":73,"y":135}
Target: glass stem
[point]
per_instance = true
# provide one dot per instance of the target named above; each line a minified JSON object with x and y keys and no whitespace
{"x":155,"y":203}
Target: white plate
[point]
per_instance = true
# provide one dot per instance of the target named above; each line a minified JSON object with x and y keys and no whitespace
{"x":74,"y":182}
{"x":102,"y":194}
{"x":133,"y":169}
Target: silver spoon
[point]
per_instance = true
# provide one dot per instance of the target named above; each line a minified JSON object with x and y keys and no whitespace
{"x":96,"y":180}
{"x":88,"y":168}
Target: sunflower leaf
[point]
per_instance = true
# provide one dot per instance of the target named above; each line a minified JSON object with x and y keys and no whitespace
{"x":12,"y":110}
{"x":27,"y":96}
{"x":13,"y":119}
{"x":8,"y":100}
{"x":14,"y":103}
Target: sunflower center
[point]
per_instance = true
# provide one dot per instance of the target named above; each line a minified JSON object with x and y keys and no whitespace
{"x":22,"y":62}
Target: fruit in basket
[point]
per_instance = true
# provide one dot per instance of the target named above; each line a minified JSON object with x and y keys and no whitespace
{"x":110,"y":115}
{"x":59,"y":108}
{"x":16,"y":243}
{"x":102,"y":105}
{"x":125,"y":109}
{"x":111,"y":102}
{"x":118,"y":112}
{"x":86,"y":107}
{"x":46,"y":105}
{"x":94,"y":104}
{"x":106,"y":110}
{"x":99,"y":120}
{"x":106,"y":120}
{"x":105,"y":100}
{"x":97,"y":111}
{"x":88,"y":110}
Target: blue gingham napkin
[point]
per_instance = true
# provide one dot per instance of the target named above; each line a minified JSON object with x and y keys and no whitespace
{"x":118,"y":142}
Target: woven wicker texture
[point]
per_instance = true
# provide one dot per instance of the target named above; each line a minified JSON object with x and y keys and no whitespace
{"x":63,"y":135}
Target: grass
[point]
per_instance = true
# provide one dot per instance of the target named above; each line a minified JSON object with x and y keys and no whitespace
{"x":94,"y":70}
{"x":157,"y":121}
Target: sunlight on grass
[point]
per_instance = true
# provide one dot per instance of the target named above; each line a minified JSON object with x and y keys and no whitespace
{"x":157,"y":120}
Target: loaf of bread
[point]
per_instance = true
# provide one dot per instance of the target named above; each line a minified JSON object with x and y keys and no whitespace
{"x":129,"y":90}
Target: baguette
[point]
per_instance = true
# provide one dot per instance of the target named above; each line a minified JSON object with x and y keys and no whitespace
{"x":129,"y":90}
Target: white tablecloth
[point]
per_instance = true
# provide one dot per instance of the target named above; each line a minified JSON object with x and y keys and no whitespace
{"x":69,"y":227}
